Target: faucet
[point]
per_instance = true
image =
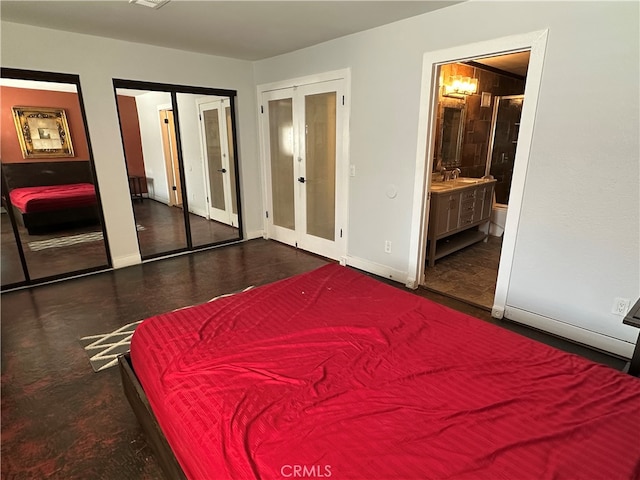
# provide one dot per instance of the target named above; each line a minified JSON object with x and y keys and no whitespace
{"x":455,"y":173}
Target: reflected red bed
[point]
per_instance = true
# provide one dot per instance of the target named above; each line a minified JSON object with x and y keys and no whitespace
{"x":53,"y":197}
{"x":334,"y":374}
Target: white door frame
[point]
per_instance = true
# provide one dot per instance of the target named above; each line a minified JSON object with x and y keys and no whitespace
{"x":342,"y":168}
{"x":160,"y":108}
{"x":535,"y":42}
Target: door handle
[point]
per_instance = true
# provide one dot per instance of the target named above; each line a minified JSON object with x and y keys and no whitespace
{"x":223,"y":170}
{"x":301,"y":179}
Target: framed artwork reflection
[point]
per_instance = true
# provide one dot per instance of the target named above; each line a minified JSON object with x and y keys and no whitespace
{"x":42,"y":132}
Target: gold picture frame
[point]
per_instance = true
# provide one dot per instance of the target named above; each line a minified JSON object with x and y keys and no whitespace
{"x":42,"y":132}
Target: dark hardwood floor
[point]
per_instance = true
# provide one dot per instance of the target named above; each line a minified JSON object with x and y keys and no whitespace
{"x":161,"y":228}
{"x":44,"y":257}
{"x":60,"y":419}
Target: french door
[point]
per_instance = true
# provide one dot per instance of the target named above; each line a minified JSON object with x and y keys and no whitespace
{"x":219,"y":165}
{"x":303,"y":134}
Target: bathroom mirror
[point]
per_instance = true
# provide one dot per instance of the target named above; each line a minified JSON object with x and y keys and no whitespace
{"x":451,"y":130}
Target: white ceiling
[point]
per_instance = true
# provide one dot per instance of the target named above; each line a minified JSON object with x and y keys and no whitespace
{"x":249,"y":30}
{"x":517,"y":63}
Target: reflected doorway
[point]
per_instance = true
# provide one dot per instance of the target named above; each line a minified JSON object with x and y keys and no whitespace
{"x":219,"y":169}
{"x":170,"y":154}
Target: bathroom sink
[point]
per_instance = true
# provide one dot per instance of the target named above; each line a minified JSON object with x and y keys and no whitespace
{"x":440,"y":186}
{"x":457,"y":183}
{"x":468,"y":180}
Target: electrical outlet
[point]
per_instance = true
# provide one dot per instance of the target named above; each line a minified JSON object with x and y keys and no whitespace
{"x":620,"y":306}
{"x":387,"y":246}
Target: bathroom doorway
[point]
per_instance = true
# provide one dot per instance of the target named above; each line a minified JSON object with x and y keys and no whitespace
{"x":472,"y":173}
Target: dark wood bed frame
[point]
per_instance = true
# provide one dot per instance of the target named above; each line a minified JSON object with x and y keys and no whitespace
{"x":33,"y":174}
{"x":142,"y":410}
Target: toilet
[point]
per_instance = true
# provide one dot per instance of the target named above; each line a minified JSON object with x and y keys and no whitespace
{"x":498,"y":219}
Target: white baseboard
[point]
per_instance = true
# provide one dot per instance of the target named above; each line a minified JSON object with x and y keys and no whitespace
{"x":156,"y":198}
{"x":127,"y":261}
{"x":376,"y":268}
{"x":198,"y":211}
{"x":254,"y":234}
{"x":571,"y":332}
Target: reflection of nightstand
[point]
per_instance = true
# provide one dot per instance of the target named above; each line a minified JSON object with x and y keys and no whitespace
{"x":135,"y":186}
{"x":633,"y":318}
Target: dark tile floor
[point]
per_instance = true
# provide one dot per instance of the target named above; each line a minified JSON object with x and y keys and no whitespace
{"x":469,"y":274}
{"x":60,"y":419}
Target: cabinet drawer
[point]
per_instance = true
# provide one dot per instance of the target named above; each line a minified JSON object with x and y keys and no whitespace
{"x":467,"y":205}
{"x":469,"y":194}
{"x":466,"y":218}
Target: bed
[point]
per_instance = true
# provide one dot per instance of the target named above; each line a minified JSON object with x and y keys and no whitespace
{"x":48,"y":196}
{"x":335,"y":374}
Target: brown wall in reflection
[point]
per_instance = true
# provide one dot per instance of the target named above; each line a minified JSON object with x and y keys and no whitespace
{"x":25,"y":97}
{"x":130,"y":126}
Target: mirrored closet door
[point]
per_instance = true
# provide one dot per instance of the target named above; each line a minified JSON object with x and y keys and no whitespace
{"x":52,"y":224}
{"x":180,"y":152}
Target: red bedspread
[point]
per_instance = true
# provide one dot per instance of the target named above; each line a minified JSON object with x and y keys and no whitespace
{"x":54,"y":197}
{"x":334,"y":374}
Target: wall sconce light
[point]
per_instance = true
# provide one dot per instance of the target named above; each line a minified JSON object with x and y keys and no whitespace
{"x":459,"y":86}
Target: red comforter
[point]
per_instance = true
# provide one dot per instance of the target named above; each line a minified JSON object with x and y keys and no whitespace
{"x":54,"y":197}
{"x":334,"y":374}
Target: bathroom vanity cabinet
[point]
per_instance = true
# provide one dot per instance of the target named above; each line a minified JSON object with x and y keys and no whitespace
{"x":457,"y":209}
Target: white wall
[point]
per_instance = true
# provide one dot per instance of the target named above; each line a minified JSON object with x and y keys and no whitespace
{"x":152,"y":147}
{"x":578,"y":243}
{"x":99,"y":60}
{"x":192,"y":152}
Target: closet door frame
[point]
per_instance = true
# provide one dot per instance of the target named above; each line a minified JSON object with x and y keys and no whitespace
{"x":282,"y":90}
{"x":174,"y":90}
{"x":37,"y":75}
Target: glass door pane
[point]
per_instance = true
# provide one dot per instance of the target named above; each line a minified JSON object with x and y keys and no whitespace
{"x":281,"y":150}
{"x":506,"y":128}
{"x":320,"y":165}
{"x":213,"y":142}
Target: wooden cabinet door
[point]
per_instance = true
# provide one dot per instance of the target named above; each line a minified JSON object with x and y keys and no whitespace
{"x":487,"y":202}
{"x":445,"y":213}
{"x":454,"y":212}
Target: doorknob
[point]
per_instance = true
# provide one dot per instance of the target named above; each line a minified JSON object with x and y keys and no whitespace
{"x":223,"y":170}
{"x":301,"y":179}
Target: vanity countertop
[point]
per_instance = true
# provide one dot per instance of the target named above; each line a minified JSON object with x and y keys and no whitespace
{"x":458,"y":183}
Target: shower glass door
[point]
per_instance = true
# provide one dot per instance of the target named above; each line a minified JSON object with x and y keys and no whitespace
{"x":502,"y":149}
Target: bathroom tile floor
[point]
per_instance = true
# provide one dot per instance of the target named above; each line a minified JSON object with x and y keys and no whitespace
{"x":469,"y":274}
